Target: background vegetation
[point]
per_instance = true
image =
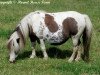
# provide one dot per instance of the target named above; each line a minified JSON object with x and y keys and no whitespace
{"x":11,"y":14}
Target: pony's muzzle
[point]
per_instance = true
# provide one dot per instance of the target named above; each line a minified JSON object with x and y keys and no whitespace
{"x":12,"y":61}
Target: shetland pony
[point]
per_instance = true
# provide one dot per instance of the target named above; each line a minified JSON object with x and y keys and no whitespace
{"x":56,"y":28}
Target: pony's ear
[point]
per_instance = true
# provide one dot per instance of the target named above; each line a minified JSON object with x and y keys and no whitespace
{"x":18,"y":39}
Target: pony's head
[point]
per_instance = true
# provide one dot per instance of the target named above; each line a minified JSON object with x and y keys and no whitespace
{"x":14,"y":44}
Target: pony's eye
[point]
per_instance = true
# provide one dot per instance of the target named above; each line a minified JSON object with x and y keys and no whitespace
{"x":18,"y":40}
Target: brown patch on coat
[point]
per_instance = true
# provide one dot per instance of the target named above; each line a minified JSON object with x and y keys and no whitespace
{"x":69,"y":27}
{"x":32,"y":36}
{"x":50,"y":23}
{"x":9,"y":44}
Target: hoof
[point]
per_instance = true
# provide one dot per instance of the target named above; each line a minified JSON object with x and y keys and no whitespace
{"x":77,"y":59}
{"x":70,"y":60}
{"x":45,"y":58}
{"x":32,"y":56}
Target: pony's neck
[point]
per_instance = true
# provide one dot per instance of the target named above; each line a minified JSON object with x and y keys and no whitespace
{"x":26,"y":24}
{"x":24,"y":27}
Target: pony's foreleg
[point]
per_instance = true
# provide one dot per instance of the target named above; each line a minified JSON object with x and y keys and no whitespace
{"x":33,"y":50}
{"x":42,"y":45}
{"x":75,"y":48}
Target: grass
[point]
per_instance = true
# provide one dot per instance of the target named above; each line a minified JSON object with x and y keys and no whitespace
{"x":57,"y":63}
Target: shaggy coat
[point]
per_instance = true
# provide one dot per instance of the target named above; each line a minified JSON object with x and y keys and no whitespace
{"x":56,"y":28}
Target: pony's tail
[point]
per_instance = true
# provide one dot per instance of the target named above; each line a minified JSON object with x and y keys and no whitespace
{"x":87,"y":38}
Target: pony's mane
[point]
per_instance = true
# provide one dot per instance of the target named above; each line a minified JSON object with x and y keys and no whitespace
{"x":19,"y":30}
{"x":19,"y":33}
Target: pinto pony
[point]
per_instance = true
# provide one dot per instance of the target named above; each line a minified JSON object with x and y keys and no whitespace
{"x":56,"y":28}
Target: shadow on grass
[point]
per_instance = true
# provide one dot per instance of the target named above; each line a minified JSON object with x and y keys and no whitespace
{"x":57,"y":53}
{"x":53,"y":52}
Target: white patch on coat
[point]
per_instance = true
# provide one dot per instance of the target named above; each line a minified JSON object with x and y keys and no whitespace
{"x":36,"y":21}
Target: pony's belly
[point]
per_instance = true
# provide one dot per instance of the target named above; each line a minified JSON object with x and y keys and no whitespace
{"x":56,"y":37}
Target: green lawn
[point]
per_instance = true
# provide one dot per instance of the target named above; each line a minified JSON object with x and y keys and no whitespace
{"x":11,"y":14}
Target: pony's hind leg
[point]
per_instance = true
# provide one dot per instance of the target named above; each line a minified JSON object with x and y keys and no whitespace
{"x":33,"y":50}
{"x":42,"y":45}
{"x":76,"y":50}
{"x":73,"y":54}
{"x":78,"y":57}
